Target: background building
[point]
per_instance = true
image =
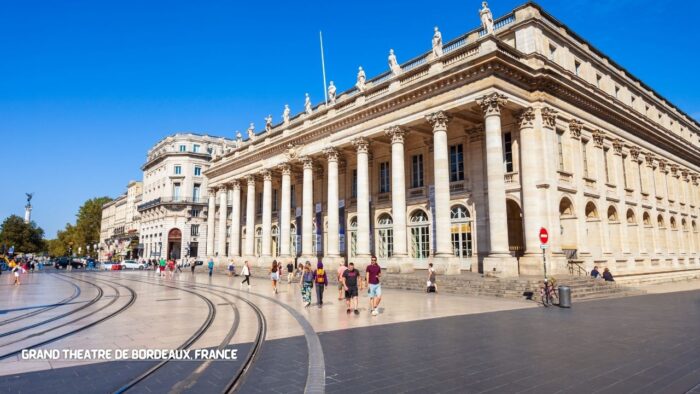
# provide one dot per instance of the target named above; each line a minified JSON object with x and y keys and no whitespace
{"x":459,"y":157}
{"x":119,"y":231}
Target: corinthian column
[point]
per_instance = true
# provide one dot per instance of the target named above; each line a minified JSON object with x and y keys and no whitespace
{"x":307,"y":210}
{"x":441,"y":175}
{"x":267,"y":214}
{"x":333,"y":221}
{"x":235,"y":242}
{"x":285,"y":210}
{"x":530,"y":175}
{"x":250,"y":218}
{"x":398,"y":186}
{"x":211,"y":217}
{"x":362,"y":146}
{"x":223,"y":217}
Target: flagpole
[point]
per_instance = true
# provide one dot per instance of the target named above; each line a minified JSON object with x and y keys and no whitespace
{"x":323,"y":67}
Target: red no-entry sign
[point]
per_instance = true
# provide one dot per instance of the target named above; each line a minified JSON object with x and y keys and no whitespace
{"x":544,"y":236}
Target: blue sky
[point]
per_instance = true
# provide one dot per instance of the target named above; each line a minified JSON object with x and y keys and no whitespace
{"x":87,"y":87}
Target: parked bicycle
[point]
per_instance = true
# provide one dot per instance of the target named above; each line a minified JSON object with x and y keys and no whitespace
{"x":548,"y":292}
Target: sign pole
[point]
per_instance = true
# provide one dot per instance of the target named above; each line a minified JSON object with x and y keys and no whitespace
{"x":544,"y":262}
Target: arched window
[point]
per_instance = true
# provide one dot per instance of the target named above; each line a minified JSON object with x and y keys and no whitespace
{"x":420,"y":234}
{"x":660,"y":221}
{"x":612,"y":214}
{"x":385,"y":236}
{"x":461,"y":229}
{"x":591,"y":211}
{"x":646,"y":219}
{"x":275,"y":232}
{"x":631,"y":219}
{"x":565,"y":207}
{"x":674,"y":225}
{"x":352,"y":229}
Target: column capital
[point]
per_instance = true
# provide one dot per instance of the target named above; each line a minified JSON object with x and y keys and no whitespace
{"x":674,"y":170}
{"x":634,"y":152}
{"x":266,"y":175}
{"x":649,"y":158}
{"x":598,"y":138}
{"x":575,"y":127}
{"x":212,"y":191}
{"x":549,"y":117}
{"x":491,"y":103}
{"x":361,"y":144}
{"x":684,"y":174}
{"x":694,"y":177}
{"x":251,"y":180}
{"x":222,"y":188}
{"x":397,"y":134}
{"x":438,"y":120}
{"x":235,"y":184}
{"x":331,"y":153}
{"x":307,"y":161}
{"x":285,"y":168}
{"x":663,"y":166}
{"x":617,"y":146}
{"x":526,"y":118}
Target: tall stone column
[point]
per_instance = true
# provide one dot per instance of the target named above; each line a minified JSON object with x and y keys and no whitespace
{"x":235,"y":242}
{"x":636,"y":165}
{"x":307,"y":210}
{"x":250,"y":218}
{"x":285,"y":211}
{"x":398,"y":196}
{"x":267,"y":215}
{"x":211,"y":218}
{"x":533,"y":198}
{"x":499,"y":259}
{"x":362,"y":146}
{"x":441,"y":175}
{"x":618,"y":164}
{"x":333,"y":250}
{"x":599,"y":157}
{"x":223,"y":218}
{"x":651,"y":180}
{"x":575,"y":127}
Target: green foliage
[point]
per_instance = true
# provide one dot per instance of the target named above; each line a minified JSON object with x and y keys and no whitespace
{"x":86,"y":230}
{"x":26,"y":237}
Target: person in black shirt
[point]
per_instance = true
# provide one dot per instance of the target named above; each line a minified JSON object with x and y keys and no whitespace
{"x":350,"y":277}
{"x":607,"y":275}
{"x":290,"y":272}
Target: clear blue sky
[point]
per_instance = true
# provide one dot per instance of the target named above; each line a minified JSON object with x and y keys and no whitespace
{"x":87,"y":87}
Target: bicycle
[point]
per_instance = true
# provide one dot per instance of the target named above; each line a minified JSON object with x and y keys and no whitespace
{"x":548,"y":293}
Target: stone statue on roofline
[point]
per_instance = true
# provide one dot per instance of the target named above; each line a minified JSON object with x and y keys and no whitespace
{"x":361,"y":80}
{"x":239,"y":139}
{"x":285,"y":114}
{"x":251,"y":131}
{"x":268,"y":123}
{"x":331,"y":93}
{"x":307,"y":104}
{"x":437,"y":43}
{"x":486,"y":18}
{"x":393,"y":63}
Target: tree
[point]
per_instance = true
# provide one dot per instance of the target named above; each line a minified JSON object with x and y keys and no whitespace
{"x":89,"y":220}
{"x":25,"y":237}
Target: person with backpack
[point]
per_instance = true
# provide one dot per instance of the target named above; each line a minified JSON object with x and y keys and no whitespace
{"x":307,"y":283}
{"x":210,"y":265}
{"x":321,"y":281}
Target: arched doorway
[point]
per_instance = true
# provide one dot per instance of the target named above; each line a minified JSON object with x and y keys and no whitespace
{"x":569,"y":229}
{"x":385,"y":236}
{"x":293,"y":241}
{"x":516,"y":243}
{"x":420,"y":234}
{"x":174,"y":243}
{"x":352,"y":230}
{"x":275,"y":233}
{"x":461,"y":230}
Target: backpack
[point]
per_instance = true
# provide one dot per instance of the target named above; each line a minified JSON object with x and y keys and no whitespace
{"x":320,"y":278}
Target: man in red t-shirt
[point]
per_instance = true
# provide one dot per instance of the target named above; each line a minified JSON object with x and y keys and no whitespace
{"x":373,"y":272}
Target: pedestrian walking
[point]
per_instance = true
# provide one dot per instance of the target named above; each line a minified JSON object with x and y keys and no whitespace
{"x":15,"y":272}
{"x":210,"y":265}
{"x":290,"y":272}
{"x":161,"y":267}
{"x":171,"y":268}
{"x":179,"y":266}
{"x":246,"y":273}
{"x":349,"y":280}
{"x":321,"y":281}
{"x":307,"y":283}
{"x":231,"y":268}
{"x":432,"y":285}
{"x":372,"y":274}
{"x":193,"y":264}
{"x":274,"y":276}
{"x":341,"y":288}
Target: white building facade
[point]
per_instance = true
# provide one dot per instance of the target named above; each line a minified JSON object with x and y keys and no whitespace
{"x":460,"y":156}
{"x":119,"y":230}
{"x":174,"y":204}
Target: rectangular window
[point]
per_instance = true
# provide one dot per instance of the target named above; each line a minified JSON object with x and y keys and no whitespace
{"x":624,"y":170}
{"x":353,"y":186}
{"x":194,"y":230}
{"x":183,"y":148}
{"x":194,"y":213}
{"x":196,"y":192}
{"x":197,"y":171}
{"x":560,"y":149}
{"x":508,"y":151}
{"x":584,"y":155}
{"x":274,"y":200}
{"x":416,"y":171}
{"x":384,"y":177}
{"x":456,"y":163}
{"x":195,"y":148}
{"x":178,"y":170}
{"x":606,"y":152}
{"x":292,"y":196}
{"x":176,"y":192}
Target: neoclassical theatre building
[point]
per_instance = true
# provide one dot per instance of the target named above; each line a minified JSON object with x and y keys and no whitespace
{"x":459,"y":156}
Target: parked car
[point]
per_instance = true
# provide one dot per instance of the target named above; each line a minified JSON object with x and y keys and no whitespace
{"x":133,"y":265}
{"x":111,"y":266}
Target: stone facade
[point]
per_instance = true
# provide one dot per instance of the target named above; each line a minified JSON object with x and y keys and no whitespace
{"x":460,"y":159}
{"x":119,"y":230}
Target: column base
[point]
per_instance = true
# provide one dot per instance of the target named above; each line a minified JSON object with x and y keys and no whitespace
{"x":501,"y":266}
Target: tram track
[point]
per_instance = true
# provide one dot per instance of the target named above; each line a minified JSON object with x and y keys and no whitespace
{"x":76,"y":293}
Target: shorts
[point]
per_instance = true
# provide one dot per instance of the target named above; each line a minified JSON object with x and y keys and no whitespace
{"x":351,"y":292}
{"x":275,"y":276}
{"x":375,"y":290}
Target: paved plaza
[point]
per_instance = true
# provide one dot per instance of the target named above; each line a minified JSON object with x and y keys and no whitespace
{"x":418,"y":343}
